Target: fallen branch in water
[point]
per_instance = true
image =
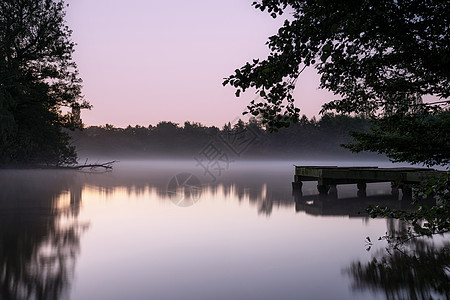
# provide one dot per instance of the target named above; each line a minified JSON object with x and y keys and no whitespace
{"x":106,"y":165}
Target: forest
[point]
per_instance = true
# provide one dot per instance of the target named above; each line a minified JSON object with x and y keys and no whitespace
{"x":306,"y":139}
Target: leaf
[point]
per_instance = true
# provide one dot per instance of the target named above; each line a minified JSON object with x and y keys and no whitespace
{"x":334,"y":28}
{"x":326,"y":48}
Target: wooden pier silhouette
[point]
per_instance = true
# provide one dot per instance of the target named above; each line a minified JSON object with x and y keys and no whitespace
{"x":328,"y":177}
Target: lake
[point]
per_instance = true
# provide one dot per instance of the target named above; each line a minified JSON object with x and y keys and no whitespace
{"x":172,"y":230}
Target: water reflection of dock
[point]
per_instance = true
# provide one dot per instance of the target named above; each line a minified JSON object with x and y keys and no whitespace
{"x":328,"y":177}
{"x":327,"y":205}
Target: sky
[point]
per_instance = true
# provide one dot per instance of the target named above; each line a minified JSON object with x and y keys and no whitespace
{"x":144,"y":61}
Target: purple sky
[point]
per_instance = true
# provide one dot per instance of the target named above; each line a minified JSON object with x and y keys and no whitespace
{"x":148,"y":61}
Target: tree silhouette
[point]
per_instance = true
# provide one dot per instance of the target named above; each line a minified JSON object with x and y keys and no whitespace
{"x":37,"y":79}
{"x":375,"y":55}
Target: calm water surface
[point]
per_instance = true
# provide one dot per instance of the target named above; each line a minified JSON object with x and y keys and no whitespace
{"x":164,"y":230}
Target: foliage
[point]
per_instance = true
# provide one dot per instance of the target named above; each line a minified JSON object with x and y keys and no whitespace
{"x":425,"y":220}
{"x":376,"y":55}
{"x":37,"y":79}
{"x":407,"y":137}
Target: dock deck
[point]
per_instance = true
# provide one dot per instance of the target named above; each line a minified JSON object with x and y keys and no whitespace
{"x":328,"y":177}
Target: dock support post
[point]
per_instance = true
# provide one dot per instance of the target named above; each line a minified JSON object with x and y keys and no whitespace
{"x":323,"y":189}
{"x":407,"y":193}
{"x":333,"y":191}
{"x":394,"y":190}
{"x":299,"y":203}
{"x":297,"y":186}
{"x":362,"y":186}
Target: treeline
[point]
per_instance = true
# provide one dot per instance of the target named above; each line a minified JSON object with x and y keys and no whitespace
{"x":309,"y":138}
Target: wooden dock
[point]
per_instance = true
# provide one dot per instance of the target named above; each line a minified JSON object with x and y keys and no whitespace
{"x":328,"y":177}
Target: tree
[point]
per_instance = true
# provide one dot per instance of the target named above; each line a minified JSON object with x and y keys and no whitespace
{"x":379,"y":57}
{"x":38,"y":78}
{"x":375,"y":55}
{"x":421,"y":138}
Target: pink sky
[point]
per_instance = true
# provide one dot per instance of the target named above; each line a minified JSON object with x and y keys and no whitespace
{"x":143,"y":61}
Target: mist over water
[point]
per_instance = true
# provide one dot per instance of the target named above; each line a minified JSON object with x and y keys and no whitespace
{"x":167,"y":229}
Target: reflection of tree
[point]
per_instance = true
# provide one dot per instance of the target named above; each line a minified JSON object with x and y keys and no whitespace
{"x":39,"y":237}
{"x":266,"y":190}
{"x":422,"y":272}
